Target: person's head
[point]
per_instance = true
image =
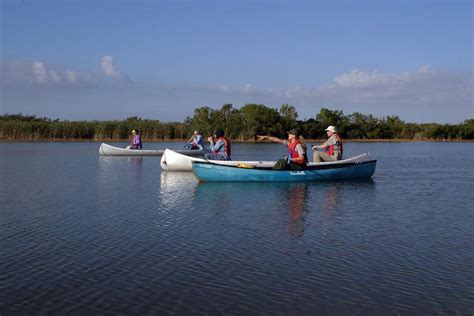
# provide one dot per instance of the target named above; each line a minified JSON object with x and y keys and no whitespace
{"x":331,"y":130}
{"x":219,"y":133}
{"x":134,"y":131}
{"x":293,"y":133}
{"x":196,"y":133}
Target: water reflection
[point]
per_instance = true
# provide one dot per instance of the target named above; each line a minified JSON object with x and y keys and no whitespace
{"x":118,"y":171}
{"x":332,"y":201}
{"x":176,"y":187}
{"x":297,"y":199}
{"x":333,"y":194}
{"x":136,"y":168}
{"x":285,"y":206}
{"x":285,"y":203}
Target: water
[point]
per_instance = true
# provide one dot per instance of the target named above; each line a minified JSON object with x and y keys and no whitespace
{"x":82,"y":234}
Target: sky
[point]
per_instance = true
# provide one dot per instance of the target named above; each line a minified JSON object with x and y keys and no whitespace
{"x":105,"y":60}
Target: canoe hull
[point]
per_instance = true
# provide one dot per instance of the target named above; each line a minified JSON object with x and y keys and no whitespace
{"x":206,"y":171}
{"x":175,"y":161}
{"x":108,"y":150}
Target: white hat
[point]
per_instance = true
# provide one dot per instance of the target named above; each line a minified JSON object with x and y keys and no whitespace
{"x":331,"y":128}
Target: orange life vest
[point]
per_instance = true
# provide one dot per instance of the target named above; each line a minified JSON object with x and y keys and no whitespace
{"x":336,"y":147}
{"x":294,"y":154}
{"x":226,"y":145}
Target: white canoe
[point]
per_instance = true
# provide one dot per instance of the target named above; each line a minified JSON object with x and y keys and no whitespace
{"x":174,"y":161}
{"x":108,"y":150}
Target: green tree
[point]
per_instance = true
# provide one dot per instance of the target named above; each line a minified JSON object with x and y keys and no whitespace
{"x":327,"y":117}
{"x":259,"y":119}
{"x":234,"y":123}
{"x":202,"y":120}
{"x":394,"y":126}
{"x":288,"y":117}
{"x":466,"y":130}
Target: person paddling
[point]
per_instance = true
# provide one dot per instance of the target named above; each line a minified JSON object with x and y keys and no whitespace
{"x":333,"y":147}
{"x":220,"y":147}
{"x":136,"y":142}
{"x":296,"y":143}
{"x":196,"y":141}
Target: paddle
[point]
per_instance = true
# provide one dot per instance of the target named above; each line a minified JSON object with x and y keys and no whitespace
{"x":245,"y":165}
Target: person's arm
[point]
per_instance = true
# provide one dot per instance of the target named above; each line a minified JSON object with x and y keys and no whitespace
{"x":329,"y":142}
{"x":199,"y":141}
{"x":271,"y":138}
{"x":215,"y":147}
{"x":210,"y":139}
{"x":322,"y":146}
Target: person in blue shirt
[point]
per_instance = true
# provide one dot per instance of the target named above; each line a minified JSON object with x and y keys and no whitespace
{"x":196,"y":142}
{"x":220,"y":147}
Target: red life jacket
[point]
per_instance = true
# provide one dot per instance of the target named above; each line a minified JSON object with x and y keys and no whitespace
{"x":294,"y":154}
{"x":337,"y":146}
{"x":226,"y":146}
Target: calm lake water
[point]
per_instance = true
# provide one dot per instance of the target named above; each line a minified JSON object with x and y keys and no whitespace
{"x":87,"y":235}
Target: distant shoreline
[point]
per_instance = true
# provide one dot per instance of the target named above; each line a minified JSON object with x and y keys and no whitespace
{"x":241,"y":126}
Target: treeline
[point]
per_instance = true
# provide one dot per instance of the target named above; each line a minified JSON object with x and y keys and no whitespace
{"x":239,"y":124}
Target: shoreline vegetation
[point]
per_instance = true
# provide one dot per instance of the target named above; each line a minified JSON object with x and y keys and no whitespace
{"x":240,"y":125}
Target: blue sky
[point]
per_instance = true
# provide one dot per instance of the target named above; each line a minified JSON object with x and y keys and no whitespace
{"x":100,"y":59}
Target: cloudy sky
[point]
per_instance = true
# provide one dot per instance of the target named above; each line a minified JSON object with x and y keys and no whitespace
{"x":100,"y":59}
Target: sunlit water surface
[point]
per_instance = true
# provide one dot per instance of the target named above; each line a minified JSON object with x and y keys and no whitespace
{"x":83,"y":234}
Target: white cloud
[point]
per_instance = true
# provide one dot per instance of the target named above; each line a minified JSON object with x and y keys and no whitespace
{"x":71,"y":76}
{"x":44,"y":75}
{"x":359,"y":79}
{"x":107,"y":64}
{"x":39,"y":72}
{"x":425,"y":86}
{"x":221,"y":88}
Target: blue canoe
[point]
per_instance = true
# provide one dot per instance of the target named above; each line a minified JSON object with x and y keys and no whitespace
{"x":208,"y":171}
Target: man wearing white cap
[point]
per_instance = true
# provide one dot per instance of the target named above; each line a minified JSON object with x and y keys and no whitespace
{"x":333,"y":147}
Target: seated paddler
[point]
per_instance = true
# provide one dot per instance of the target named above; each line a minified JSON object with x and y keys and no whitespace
{"x":332,"y":147}
{"x":196,"y":142}
{"x":219,"y":145}
{"x":136,"y":142}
